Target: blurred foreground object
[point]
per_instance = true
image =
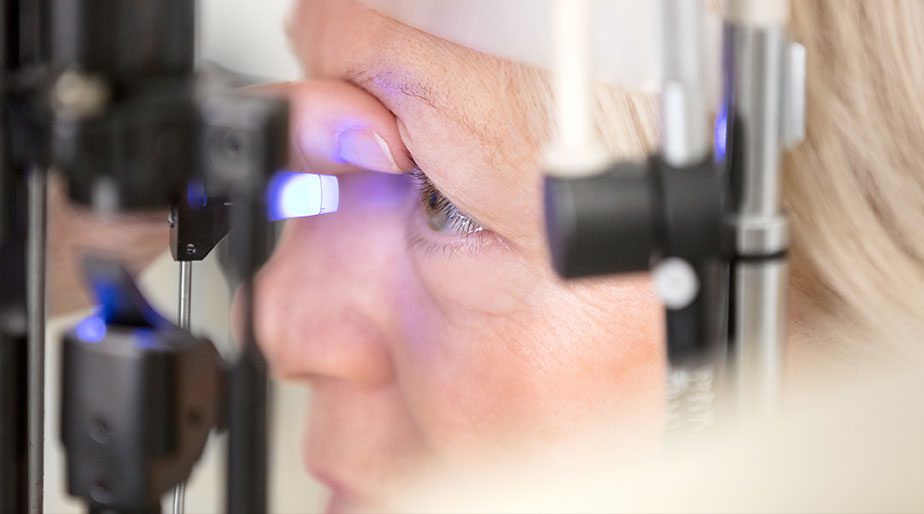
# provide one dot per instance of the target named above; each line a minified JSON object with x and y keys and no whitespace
{"x":852,"y":447}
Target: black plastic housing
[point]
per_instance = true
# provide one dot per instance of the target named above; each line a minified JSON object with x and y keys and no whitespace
{"x":602,"y":224}
{"x":127,"y":42}
{"x":195,"y":230}
{"x":621,"y":220}
{"x":139,"y":398}
{"x":624,"y":219}
{"x":13,"y":428}
{"x":138,"y":149}
{"x":139,"y":154}
{"x":137,"y":408}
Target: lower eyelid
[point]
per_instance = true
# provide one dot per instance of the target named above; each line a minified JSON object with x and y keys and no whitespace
{"x":422,"y":239}
{"x":470,"y":245}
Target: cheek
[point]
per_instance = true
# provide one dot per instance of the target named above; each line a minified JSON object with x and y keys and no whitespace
{"x":533,"y":361}
{"x":488,"y":280}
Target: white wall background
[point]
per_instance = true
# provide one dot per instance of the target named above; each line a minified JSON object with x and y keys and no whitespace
{"x":248,"y":36}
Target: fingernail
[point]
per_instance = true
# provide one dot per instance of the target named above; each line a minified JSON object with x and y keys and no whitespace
{"x":367,"y":150}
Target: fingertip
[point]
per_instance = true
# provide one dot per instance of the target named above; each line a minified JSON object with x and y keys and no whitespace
{"x":369,"y":150}
{"x":338,"y":127}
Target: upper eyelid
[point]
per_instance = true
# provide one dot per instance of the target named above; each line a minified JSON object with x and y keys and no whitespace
{"x":421,"y":177}
{"x":468,"y":205}
{"x":425,"y":183}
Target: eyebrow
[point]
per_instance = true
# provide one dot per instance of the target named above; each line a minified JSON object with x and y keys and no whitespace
{"x":383,"y":82}
{"x":392,"y":81}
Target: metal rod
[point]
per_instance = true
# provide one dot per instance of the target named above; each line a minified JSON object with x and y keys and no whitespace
{"x":183,"y":319}
{"x":684,"y":104}
{"x":36,"y":250}
{"x":577,"y":149}
{"x":185,"y":303}
{"x":756,"y":61}
{"x":760,"y":296}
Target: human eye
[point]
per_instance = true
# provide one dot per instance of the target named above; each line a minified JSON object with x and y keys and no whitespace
{"x":440,"y":214}
{"x":440,"y":226}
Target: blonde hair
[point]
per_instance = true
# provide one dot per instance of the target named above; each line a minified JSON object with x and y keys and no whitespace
{"x":855,"y":187}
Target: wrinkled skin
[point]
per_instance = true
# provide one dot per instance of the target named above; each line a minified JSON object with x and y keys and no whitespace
{"x":418,"y":343}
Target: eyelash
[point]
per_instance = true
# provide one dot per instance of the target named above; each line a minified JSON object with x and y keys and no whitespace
{"x":461,"y":233}
{"x":434,"y":204}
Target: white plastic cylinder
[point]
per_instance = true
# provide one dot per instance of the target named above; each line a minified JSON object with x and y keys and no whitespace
{"x":759,"y":13}
{"x":576,"y":149}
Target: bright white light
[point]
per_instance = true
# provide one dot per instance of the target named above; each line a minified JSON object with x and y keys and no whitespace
{"x":299,"y":195}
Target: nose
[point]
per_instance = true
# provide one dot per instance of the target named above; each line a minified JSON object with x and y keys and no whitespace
{"x":325,"y":300}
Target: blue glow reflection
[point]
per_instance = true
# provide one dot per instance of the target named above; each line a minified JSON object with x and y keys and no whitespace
{"x":146,"y":339}
{"x":721,"y":134}
{"x":299,"y":195}
{"x":195,"y":195}
{"x":92,"y":329}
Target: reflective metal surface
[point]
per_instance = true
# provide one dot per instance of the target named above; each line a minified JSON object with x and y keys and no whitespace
{"x":762,"y":120}
{"x":761,"y":296}
{"x":37,"y":245}
{"x":756,"y":57}
{"x":684,"y":118}
{"x":185,"y":300}
{"x":794,"y":115}
{"x":183,"y":320}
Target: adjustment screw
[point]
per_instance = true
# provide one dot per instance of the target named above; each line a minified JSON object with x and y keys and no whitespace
{"x":99,"y":431}
{"x":190,"y":249}
{"x":675,"y":282}
{"x":100,"y":493}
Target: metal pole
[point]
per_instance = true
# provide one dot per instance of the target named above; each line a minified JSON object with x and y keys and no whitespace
{"x":185,"y":304}
{"x":183,"y":319}
{"x":576,"y":149}
{"x":762,"y":119}
{"x":684,"y":104}
{"x":762,"y":230}
{"x":36,"y":250}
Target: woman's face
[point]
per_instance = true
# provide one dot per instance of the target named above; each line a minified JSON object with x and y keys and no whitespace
{"x":424,"y":315}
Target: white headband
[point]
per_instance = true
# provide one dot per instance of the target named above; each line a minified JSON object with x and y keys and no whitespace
{"x":625,"y":34}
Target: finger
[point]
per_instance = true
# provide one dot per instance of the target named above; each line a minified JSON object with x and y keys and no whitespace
{"x":337,"y":127}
